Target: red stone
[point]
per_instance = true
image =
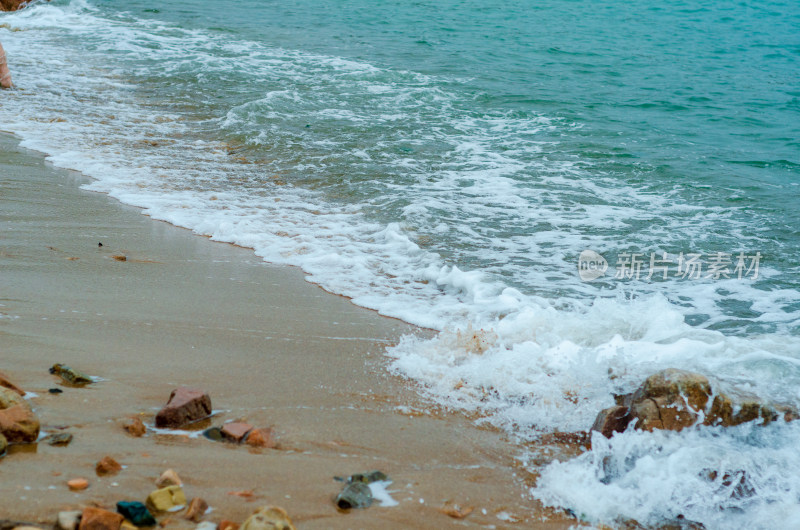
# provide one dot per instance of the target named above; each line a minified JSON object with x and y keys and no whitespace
{"x":197,"y":509}
{"x":12,"y":5}
{"x":107,"y":466}
{"x":135,"y":427}
{"x":611,"y":420}
{"x":185,"y":405}
{"x":236,"y":431}
{"x":99,"y":519}
{"x":262,"y":438}
{"x":19,"y":424}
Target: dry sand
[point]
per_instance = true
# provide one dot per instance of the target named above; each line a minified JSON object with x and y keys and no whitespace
{"x":268,"y":347}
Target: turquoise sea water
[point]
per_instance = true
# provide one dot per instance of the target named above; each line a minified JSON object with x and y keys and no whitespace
{"x":447,"y":163}
{"x":691,"y":103}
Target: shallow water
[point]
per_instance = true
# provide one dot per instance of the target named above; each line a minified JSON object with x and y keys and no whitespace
{"x":448,"y":163}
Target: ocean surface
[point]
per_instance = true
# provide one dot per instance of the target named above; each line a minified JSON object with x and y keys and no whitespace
{"x":450,"y":163}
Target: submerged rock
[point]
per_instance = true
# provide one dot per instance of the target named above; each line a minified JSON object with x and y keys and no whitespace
{"x":670,"y":399}
{"x":13,"y":5}
{"x":268,"y":518}
{"x":214,"y":434}
{"x":18,"y":423}
{"x":70,"y":375}
{"x":736,"y":483}
{"x":456,"y":511}
{"x":611,"y":420}
{"x":676,"y":399}
{"x":185,"y":405}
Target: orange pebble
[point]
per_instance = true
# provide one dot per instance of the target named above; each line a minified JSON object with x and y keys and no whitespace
{"x":78,"y":484}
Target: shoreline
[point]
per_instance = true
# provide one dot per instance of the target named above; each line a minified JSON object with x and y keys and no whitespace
{"x":185,"y":310}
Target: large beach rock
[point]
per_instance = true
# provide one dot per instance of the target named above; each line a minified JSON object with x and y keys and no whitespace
{"x":18,"y":423}
{"x":12,"y":5}
{"x":611,"y":420}
{"x":5,"y":382}
{"x":669,"y":400}
{"x":99,"y":519}
{"x":185,"y":405}
{"x":675,"y":399}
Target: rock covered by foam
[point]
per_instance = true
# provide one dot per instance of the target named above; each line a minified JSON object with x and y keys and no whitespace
{"x":675,"y":399}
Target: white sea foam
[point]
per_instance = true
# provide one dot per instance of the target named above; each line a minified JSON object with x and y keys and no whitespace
{"x":741,"y":477}
{"x":381,"y":493}
{"x":524,"y":343}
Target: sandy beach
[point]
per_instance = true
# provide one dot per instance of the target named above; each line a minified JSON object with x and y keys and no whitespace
{"x":269,"y":347}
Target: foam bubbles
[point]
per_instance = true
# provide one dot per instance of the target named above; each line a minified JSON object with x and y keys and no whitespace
{"x":740,"y":477}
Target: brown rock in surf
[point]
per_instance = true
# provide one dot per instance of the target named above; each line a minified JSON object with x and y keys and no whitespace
{"x":185,"y":405}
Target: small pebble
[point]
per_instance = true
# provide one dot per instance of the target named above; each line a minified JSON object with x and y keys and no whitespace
{"x":168,"y":478}
{"x":214,"y":434}
{"x":61,"y":438}
{"x":69,"y":520}
{"x":135,"y":427}
{"x":107,"y":466}
{"x":78,"y":484}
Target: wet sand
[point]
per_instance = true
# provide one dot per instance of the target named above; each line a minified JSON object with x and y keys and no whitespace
{"x":269,"y":347}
